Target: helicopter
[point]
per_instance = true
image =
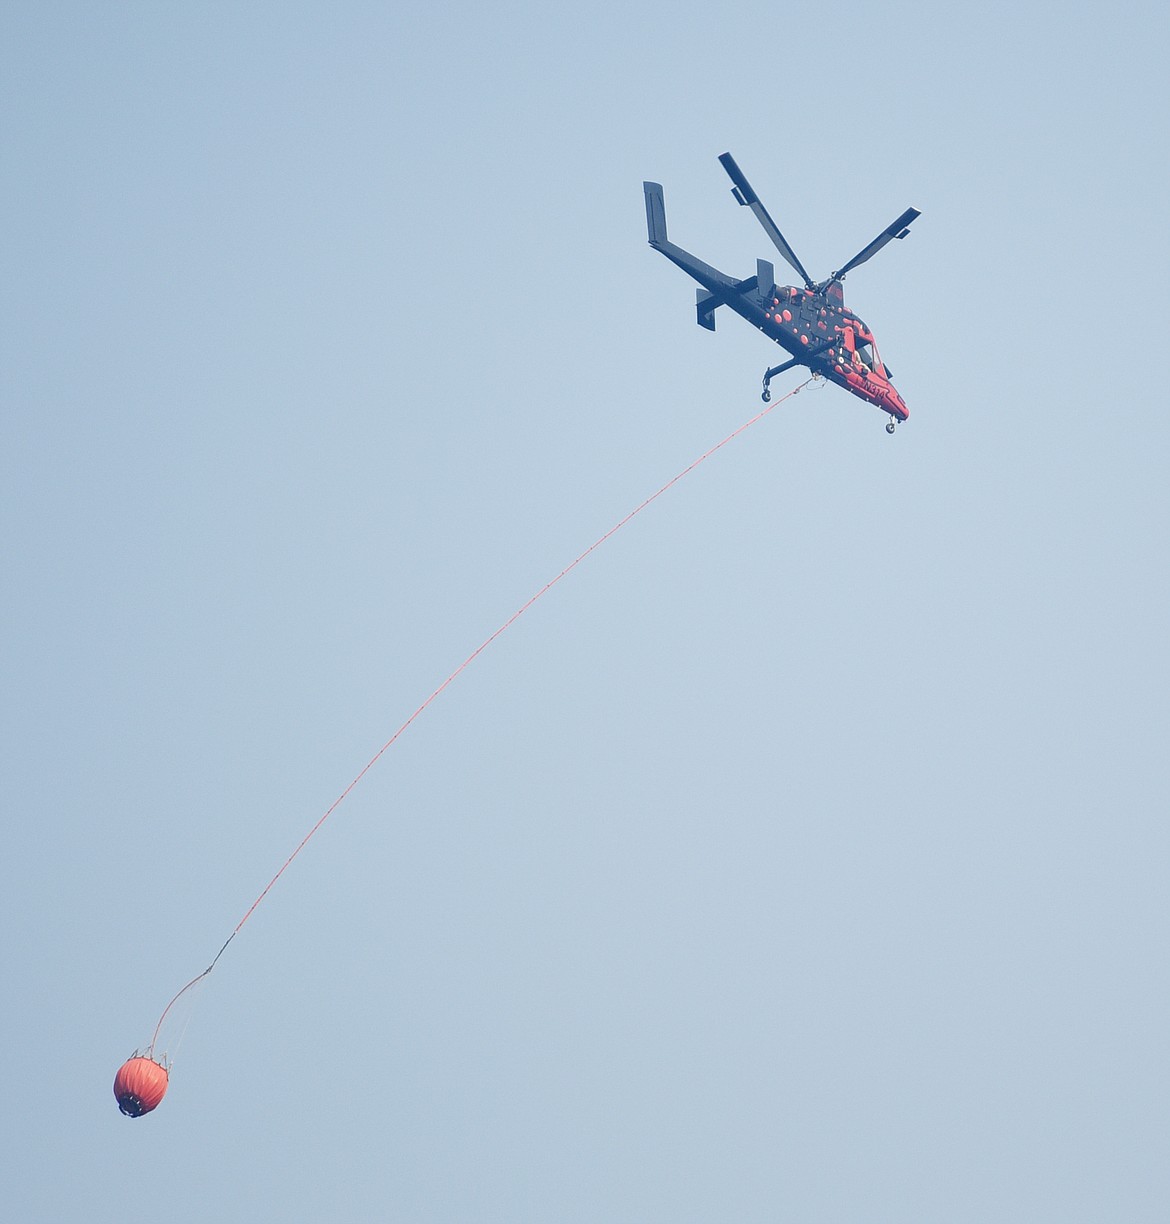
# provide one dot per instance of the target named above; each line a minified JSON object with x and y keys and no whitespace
{"x":812,"y":323}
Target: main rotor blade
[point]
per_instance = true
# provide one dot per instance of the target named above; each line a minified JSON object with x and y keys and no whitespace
{"x":745,"y":195}
{"x":897,"y":230}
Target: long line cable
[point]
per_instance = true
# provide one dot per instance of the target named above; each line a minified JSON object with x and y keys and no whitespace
{"x":548,"y":586}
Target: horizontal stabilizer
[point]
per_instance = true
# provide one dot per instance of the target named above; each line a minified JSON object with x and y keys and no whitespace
{"x":705,"y":305}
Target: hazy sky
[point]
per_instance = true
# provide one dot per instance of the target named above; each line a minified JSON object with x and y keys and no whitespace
{"x":800,"y":857}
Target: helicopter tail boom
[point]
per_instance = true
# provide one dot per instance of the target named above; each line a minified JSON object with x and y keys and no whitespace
{"x":720,"y":287}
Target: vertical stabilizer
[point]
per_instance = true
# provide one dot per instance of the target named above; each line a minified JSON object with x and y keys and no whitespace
{"x":655,"y":213}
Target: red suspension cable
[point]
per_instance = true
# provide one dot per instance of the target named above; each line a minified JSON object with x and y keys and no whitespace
{"x":548,"y":586}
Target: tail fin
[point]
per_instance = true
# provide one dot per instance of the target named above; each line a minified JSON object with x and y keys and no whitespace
{"x":655,"y":213}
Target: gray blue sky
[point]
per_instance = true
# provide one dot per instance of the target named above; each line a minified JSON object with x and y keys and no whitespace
{"x":802,"y":856}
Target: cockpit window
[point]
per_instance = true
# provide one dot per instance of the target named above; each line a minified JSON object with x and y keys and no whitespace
{"x":869,"y":356}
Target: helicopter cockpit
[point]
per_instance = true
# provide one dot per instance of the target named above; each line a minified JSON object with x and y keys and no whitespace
{"x":865,"y":350}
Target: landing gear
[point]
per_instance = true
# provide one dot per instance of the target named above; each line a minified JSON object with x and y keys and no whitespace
{"x":890,"y":427}
{"x":770,"y":374}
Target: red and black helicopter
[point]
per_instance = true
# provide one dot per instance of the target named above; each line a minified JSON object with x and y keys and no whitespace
{"x":812,"y":323}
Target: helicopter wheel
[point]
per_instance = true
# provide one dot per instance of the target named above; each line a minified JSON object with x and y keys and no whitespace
{"x":766,"y":396}
{"x":890,"y":427}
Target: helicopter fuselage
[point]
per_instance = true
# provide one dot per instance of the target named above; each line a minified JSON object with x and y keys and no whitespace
{"x":821,"y":332}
